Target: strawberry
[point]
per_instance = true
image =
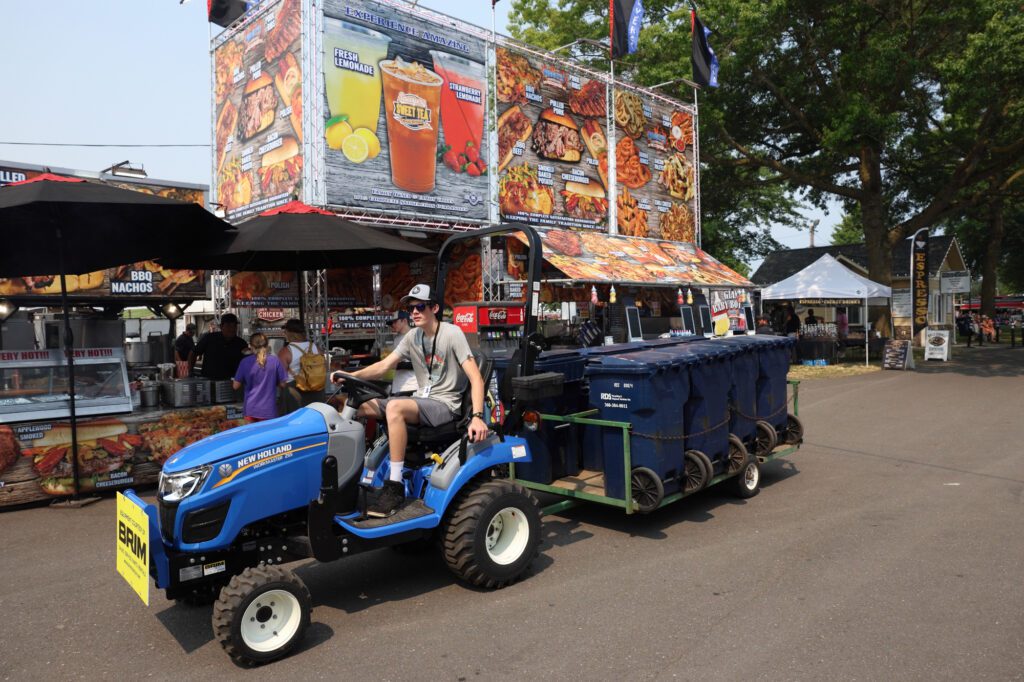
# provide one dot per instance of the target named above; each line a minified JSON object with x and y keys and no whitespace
{"x":451,"y":160}
{"x":471,"y":153}
{"x":473,"y":170}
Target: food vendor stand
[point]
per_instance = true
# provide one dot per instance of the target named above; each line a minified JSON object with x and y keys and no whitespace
{"x":827,"y":282}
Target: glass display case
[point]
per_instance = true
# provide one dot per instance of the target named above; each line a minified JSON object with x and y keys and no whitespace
{"x":34,"y":384}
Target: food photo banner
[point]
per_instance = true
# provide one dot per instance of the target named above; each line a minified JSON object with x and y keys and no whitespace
{"x":406,"y":109}
{"x":414,"y":105}
{"x":257,"y":95}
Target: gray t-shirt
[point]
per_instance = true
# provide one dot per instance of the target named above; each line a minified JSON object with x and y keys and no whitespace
{"x":448,"y":350}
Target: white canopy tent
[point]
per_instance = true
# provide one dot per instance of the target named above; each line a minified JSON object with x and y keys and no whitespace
{"x":827,"y":278}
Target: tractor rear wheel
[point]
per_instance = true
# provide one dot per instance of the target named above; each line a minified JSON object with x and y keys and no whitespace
{"x":262,"y":614}
{"x":491,"y":533}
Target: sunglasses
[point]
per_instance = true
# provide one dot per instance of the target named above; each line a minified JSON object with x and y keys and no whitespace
{"x":417,"y":307}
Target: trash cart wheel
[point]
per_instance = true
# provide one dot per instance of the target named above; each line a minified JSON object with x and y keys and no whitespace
{"x":262,"y":614}
{"x":491,"y":533}
{"x":648,"y":490}
{"x":748,"y":482}
{"x":794,"y":430}
{"x":696,"y":471}
{"x":765,"y":438}
{"x":737,"y":455}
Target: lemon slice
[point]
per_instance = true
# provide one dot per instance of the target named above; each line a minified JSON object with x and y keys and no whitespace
{"x":371,"y":141}
{"x":355,"y":149}
{"x":336,"y":134}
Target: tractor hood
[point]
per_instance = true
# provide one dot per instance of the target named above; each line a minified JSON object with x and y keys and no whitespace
{"x":261,"y":435}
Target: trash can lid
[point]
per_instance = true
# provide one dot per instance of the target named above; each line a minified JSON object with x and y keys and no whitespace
{"x":614,"y":349}
{"x":642,"y":362}
{"x":709,"y":350}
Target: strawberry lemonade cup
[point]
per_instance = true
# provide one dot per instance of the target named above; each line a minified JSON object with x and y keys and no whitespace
{"x":463,"y":100}
{"x":412,"y":103}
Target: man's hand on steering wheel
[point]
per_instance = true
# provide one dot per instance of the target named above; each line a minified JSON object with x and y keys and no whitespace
{"x":477,"y":430}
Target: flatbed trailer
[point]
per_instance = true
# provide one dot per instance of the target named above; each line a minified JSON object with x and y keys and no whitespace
{"x":589,"y":485}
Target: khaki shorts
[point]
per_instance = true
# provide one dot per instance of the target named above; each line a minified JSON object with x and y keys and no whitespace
{"x":432,"y":412}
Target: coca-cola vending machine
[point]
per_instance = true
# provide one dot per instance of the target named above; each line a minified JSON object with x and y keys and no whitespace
{"x":495,"y":327}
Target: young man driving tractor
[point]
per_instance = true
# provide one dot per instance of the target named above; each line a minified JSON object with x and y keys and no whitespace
{"x":442,"y":361}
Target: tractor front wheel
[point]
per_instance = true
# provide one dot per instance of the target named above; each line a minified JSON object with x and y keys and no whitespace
{"x":262,"y":614}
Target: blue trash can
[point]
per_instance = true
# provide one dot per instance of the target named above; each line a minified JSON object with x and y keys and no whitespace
{"x":614,"y":349}
{"x":743,"y":393}
{"x":641,"y":388}
{"x":773,"y":366}
{"x":554,"y":447}
{"x":706,"y":413}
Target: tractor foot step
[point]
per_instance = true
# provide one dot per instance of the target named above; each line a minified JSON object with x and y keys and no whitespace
{"x":411,"y":510}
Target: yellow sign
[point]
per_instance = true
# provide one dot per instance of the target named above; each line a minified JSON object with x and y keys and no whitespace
{"x":133,"y":546}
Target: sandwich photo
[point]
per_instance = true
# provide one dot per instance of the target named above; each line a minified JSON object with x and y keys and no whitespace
{"x":513,"y":127}
{"x":280,"y":168}
{"x":589,"y":100}
{"x":585,"y":200}
{"x":258,"y":104}
{"x":104,"y":448}
{"x":47,"y":285}
{"x":520,"y":191}
{"x":597,"y":145}
{"x":9,"y":451}
{"x":227,"y":119}
{"x":288,"y":82}
{"x":557,"y":137}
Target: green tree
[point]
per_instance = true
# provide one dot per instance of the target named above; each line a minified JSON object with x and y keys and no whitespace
{"x":850,"y":230}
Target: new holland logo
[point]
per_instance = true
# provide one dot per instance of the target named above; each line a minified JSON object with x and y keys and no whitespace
{"x":225,"y":469}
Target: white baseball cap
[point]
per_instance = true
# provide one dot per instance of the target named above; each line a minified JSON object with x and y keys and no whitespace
{"x":420,"y":292}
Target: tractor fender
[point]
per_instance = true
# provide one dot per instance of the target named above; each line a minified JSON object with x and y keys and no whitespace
{"x":448,"y":478}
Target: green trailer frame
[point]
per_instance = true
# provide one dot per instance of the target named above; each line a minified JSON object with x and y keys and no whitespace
{"x":575,"y":492}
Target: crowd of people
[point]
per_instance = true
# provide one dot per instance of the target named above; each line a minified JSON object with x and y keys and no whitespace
{"x":972,"y":326}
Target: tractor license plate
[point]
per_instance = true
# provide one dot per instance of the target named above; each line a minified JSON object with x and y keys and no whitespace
{"x":133,"y":546}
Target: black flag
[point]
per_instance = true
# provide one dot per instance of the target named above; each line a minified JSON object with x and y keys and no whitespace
{"x":626,"y":17}
{"x":705,"y":63}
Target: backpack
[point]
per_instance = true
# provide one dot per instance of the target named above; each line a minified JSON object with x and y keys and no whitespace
{"x":312,"y":374}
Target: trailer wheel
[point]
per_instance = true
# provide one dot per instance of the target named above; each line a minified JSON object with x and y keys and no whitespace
{"x":648,"y":490}
{"x":737,"y":455}
{"x":748,"y":482}
{"x":794,"y":430}
{"x":765,"y":439}
{"x":491,"y":533}
{"x":696,"y":471}
{"x":262,"y":614}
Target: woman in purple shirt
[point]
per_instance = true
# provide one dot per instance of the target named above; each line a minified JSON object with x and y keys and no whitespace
{"x":262,"y":374}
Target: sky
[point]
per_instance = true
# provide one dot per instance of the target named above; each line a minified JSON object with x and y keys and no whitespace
{"x":138,"y":72}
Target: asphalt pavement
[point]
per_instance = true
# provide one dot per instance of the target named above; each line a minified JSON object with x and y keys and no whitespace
{"x":890,"y":546}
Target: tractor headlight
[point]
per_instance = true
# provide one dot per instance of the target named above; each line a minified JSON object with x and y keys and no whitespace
{"x":176,"y":487}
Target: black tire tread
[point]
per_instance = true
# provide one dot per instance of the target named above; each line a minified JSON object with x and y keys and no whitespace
{"x":236,"y":591}
{"x":460,"y":526}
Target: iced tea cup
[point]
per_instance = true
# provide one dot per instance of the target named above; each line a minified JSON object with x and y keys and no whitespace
{"x":463,"y":99}
{"x":412,"y":103}
{"x":352,"y":54}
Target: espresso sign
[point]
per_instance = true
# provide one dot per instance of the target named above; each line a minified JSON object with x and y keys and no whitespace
{"x":919,"y":279}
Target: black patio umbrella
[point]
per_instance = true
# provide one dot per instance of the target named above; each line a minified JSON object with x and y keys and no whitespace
{"x":57,"y":225}
{"x":297,"y":237}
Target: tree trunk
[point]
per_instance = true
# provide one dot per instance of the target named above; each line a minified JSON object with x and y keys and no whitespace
{"x":990,"y":261}
{"x":876,"y":225}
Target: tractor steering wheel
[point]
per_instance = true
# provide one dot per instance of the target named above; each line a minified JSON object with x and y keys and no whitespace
{"x":359,"y":390}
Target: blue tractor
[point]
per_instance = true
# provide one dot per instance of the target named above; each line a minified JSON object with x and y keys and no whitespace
{"x":233,"y":509}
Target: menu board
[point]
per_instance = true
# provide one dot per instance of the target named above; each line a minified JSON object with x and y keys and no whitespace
{"x":346,"y":287}
{"x":406,"y":112}
{"x":897,"y":355}
{"x":552,"y":143}
{"x":257,"y":146}
{"x":655,"y":170}
{"x":113,"y":453}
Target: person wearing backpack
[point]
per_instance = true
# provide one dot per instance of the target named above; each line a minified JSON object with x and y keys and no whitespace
{"x":307,"y":368}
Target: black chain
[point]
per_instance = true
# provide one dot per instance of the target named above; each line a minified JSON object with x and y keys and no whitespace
{"x":654,"y":436}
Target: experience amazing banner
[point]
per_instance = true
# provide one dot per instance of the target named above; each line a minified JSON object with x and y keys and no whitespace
{"x":406,"y":111}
